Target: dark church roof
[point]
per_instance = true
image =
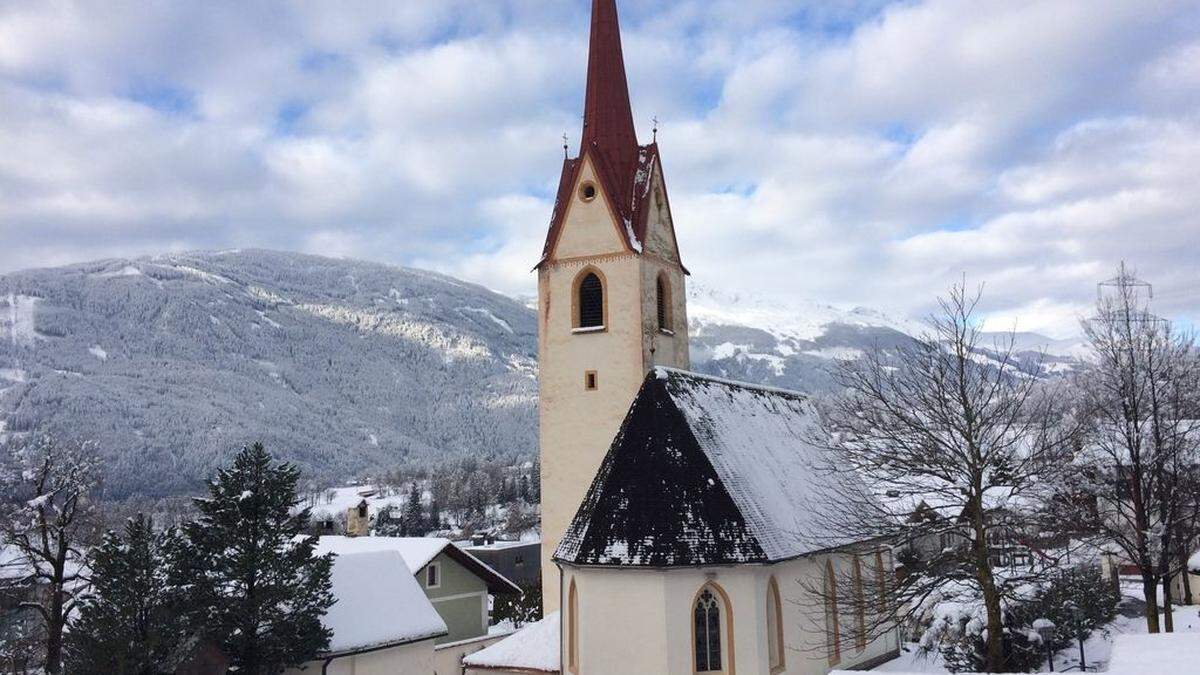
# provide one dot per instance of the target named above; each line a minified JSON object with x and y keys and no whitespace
{"x":609,"y":138}
{"x":704,"y":472}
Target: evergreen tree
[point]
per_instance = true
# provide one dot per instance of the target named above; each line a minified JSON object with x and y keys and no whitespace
{"x":435,"y":514}
{"x":413,"y":516}
{"x":261,"y":588}
{"x":128,"y":622}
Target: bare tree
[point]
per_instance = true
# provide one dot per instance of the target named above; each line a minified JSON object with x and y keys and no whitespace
{"x":47,"y":516}
{"x":1143,"y":443}
{"x":959,"y":448}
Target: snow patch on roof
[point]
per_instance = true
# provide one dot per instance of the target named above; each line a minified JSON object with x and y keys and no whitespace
{"x":416,"y":551}
{"x":377,"y":604}
{"x":534,"y":647}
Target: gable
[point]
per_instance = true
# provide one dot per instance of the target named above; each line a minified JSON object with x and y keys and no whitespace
{"x":660,"y":228}
{"x":588,"y":227}
{"x":656,"y":500}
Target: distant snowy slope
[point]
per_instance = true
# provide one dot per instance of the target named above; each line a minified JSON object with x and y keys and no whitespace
{"x":172,"y":362}
{"x":793,"y":344}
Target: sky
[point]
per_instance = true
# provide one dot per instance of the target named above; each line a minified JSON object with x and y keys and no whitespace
{"x":854,"y":153}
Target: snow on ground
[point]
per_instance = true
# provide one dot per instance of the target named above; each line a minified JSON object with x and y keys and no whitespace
{"x":14,"y":375}
{"x":98,"y":352}
{"x":1098,"y":647}
{"x":487,"y":313}
{"x":336,"y":501}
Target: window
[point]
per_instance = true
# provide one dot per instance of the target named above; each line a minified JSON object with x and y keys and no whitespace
{"x":881,"y":579}
{"x":860,"y":618}
{"x":587,"y":191}
{"x":433,"y":575}
{"x":573,"y":629}
{"x":663,"y":298}
{"x":707,"y":633}
{"x":774,"y":627}
{"x":833,"y":632}
{"x":589,"y":381}
{"x":591,"y":302}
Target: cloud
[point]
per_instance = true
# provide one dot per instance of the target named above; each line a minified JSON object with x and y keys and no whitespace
{"x":857,"y":152}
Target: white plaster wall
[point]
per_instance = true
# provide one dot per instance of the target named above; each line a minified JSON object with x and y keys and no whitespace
{"x":410,"y":659}
{"x":639,"y":622}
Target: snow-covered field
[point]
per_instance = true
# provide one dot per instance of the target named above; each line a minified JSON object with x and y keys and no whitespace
{"x":1097,"y":647}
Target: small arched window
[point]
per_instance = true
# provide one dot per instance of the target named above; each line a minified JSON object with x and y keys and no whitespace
{"x":663,"y":300}
{"x":707,"y":632}
{"x":774,"y":627}
{"x":573,"y":629}
{"x":833,"y":631}
{"x":591,"y":302}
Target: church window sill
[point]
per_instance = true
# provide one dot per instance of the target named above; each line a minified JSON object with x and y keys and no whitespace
{"x":666,"y":331}
{"x":589,"y":329}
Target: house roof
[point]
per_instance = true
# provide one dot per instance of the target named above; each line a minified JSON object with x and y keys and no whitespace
{"x":417,"y":552}
{"x":534,"y":648}
{"x":624,"y":168}
{"x":705,"y":471}
{"x":375,"y":606}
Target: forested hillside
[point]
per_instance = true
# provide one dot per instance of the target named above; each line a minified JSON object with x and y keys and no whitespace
{"x":171,"y":363}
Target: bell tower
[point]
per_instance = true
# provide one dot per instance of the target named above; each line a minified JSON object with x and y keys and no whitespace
{"x":611,"y":298}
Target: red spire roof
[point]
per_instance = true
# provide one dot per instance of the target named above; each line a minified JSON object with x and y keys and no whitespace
{"x":625,"y":169}
{"x":607,"y":114}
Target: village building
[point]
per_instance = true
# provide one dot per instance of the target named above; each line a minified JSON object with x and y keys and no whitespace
{"x":676,"y":535}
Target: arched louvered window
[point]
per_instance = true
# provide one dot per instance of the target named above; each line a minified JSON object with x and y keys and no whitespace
{"x":707,"y":632}
{"x":591,"y":302}
{"x":774,"y":627}
{"x":663,"y":298}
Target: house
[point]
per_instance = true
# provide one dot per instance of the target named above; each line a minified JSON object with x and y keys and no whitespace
{"x":382,"y":622}
{"x":455,"y":582}
{"x":517,"y":560}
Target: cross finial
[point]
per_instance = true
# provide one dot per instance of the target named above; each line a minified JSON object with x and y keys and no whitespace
{"x":655,"y":121}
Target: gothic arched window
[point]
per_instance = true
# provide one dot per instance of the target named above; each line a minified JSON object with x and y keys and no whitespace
{"x":573,"y":629}
{"x":860,"y":608}
{"x":663,"y":300}
{"x":707,"y":632}
{"x":591,"y":302}
{"x":774,"y":626}
{"x":833,"y":631}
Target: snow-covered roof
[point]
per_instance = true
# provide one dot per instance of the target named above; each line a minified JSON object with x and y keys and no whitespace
{"x":337,"y":501}
{"x":704,"y":471}
{"x":375,"y":606}
{"x":417,"y":552}
{"x":533,"y":648}
{"x":1194,"y":563}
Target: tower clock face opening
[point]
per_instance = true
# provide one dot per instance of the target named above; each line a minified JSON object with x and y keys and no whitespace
{"x":587,"y":192}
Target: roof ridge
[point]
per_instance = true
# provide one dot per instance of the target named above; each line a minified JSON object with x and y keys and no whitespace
{"x":691,"y":374}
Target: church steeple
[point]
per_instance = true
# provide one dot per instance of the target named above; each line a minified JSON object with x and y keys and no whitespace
{"x":608,"y":116}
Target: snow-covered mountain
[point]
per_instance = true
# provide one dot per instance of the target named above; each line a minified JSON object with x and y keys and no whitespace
{"x":793,"y":345}
{"x":171,"y":362}
{"x":344,"y":367}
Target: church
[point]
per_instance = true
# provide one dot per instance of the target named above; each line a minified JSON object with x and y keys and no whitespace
{"x":675,"y":536}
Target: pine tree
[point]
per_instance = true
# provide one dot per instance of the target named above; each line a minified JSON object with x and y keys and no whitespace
{"x":413,"y":516}
{"x":261,"y":588}
{"x":128,"y":623}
